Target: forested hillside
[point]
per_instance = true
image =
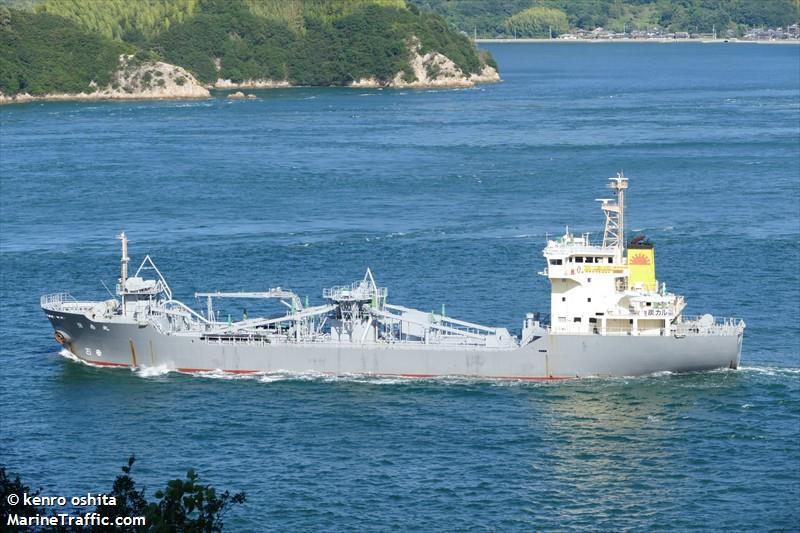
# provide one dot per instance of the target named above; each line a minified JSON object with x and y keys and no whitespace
{"x":42,"y":53}
{"x":491,"y":18}
{"x":138,"y":20}
{"x":64,"y":45}
{"x":332,"y":47}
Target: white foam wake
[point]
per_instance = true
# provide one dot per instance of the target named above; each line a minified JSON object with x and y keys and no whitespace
{"x":771,"y":370}
{"x":152,"y":371}
{"x":71,"y":356}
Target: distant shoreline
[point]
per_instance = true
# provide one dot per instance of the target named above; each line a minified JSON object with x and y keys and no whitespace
{"x":632,"y":41}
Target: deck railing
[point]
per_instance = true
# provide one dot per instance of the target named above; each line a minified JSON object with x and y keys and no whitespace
{"x":694,"y":326}
{"x":699,"y":326}
{"x":63,"y":301}
{"x":50,"y":300}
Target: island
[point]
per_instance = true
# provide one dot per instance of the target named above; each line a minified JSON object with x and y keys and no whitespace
{"x":70,"y":49}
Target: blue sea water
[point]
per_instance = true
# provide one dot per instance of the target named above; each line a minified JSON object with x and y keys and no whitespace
{"x":448,"y":196}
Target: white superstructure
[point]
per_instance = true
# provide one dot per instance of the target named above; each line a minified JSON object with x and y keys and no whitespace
{"x":599,"y":289}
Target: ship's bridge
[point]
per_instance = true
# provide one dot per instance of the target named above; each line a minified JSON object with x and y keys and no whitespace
{"x":572,"y":255}
{"x":599,"y":288}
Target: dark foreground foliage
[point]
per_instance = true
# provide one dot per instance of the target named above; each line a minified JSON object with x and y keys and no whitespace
{"x":185,"y":505}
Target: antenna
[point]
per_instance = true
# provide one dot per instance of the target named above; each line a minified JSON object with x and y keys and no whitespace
{"x":107,"y":290}
{"x":123,"y":275}
{"x":614,"y":234}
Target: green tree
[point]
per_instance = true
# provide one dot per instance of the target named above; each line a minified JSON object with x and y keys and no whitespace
{"x":9,"y":486}
{"x":42,"y":53}
{"x":185,"y":505}
{"x":538,"y":22}
{"x":108,"y":17}
{"x":488,"y":18}
{"x":307,"y":42}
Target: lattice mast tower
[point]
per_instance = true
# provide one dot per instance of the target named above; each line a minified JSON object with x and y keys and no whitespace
{"x":614,"y":234}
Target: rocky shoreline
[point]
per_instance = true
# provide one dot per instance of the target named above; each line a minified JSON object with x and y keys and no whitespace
{"x":432,"y":70}
{"x":156,"y":80}
{"x":135,"y":80}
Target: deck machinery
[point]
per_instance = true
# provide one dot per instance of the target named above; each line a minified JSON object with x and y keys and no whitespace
{"x":609,"y":317}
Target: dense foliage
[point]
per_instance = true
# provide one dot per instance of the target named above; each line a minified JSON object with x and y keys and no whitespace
{"x":679,"y":15}
{"x":14,"y":485}
{"x":66,"y":44}
{"x":330,"y":47}
{"x":41,"y":53}
{"x":246,"y":46}
{"x":489,"y":19}
{"x":122,"y":19}
{"x":184,"y":505}
{"x":138,"y":20}
{"x":538,"y":22}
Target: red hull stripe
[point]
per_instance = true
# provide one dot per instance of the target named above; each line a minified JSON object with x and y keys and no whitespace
{"x":195,"y":370}
{"x":107,"y":363}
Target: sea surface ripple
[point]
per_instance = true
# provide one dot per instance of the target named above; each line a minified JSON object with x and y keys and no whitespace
{"x":448,"y":195}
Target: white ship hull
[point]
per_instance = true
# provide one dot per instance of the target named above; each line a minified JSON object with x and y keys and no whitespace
{"x":547,"y":357}
{"x":610,"y":317}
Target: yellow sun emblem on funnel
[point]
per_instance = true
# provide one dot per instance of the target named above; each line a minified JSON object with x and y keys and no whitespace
{"x":639,"y":259}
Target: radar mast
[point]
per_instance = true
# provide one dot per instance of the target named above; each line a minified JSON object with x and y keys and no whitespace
{"x":614,"y":234}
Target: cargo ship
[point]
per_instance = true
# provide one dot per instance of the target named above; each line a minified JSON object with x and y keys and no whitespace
{"x":609,"y":317}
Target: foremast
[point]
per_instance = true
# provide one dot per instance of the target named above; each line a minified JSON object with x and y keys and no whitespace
{"x":138,"y":295}
{"x":123,"y":268}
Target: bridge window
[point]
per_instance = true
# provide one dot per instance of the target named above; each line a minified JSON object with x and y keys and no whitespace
{"x":579,"y":259}
{"x":590,"y":259}
{"x":577,"y":319}
{"x":556,"y":261}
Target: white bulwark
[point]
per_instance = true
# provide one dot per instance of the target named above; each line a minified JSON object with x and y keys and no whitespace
{"x":609,"y":316}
